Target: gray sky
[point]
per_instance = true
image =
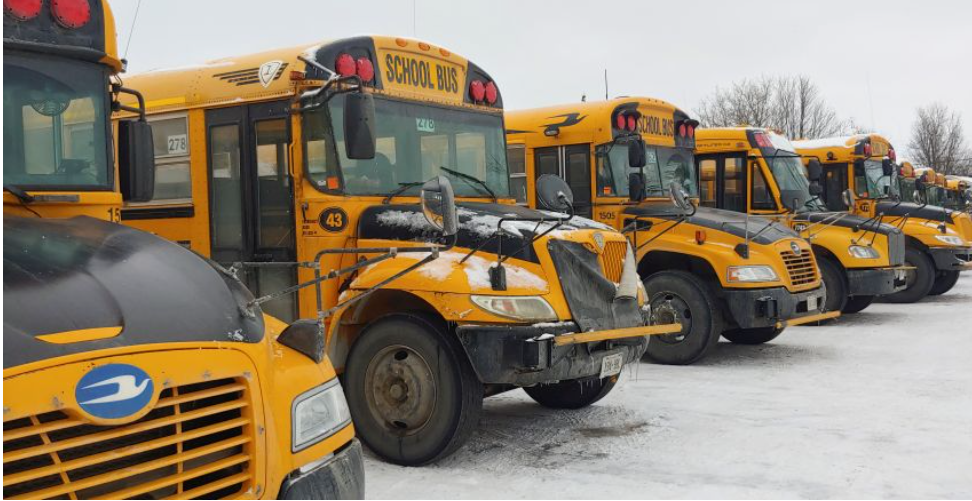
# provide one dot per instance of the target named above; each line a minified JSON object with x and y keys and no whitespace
{"x":875,"y":61}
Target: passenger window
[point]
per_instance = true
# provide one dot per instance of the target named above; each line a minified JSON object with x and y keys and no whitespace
{"x":516,"y":159}
{"x":762,"y":197}
{"x":707,"y":182}
{"x":734,"y":191}
{"x":173,"y":182}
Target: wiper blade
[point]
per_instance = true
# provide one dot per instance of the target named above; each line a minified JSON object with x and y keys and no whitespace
{"x":23,"y":196}
{"x":402,"y":188}
{"x":467,"y":177}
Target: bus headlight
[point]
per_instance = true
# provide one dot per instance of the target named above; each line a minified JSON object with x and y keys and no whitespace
{"x":751,"y":274}
{"x":319,"y":413}
{"x":863,"y":252}
{"x":527,"y":308}
{"x":950,"y":239}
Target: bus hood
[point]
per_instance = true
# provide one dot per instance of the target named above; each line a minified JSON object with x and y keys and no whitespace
{"x":727,"y":221}
{"x":64,"y":277}
{"x":910,"y":209}
{"x":847,"y":220}
{"x":478,"y":223}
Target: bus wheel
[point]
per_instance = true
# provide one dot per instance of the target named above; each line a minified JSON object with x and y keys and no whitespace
{"x":944,"y":283}
{"x":857,"y":303}
{"x":919,"y":282}
{"x":758,"y":335}
{"x":833,"y":277}
{"x":413,"y":395}
{"x":680,"y":297}
{"x":571,"y":394}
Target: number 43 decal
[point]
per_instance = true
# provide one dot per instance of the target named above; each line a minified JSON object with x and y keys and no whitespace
{"x":333,"y":219}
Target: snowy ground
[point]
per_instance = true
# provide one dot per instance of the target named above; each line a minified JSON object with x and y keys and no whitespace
{"x":876,"y":406}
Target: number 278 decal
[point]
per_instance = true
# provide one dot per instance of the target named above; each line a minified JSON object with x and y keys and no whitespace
{"x":333,"y":219}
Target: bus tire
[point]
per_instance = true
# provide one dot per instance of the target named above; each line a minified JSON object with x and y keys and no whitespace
{"x":944,"y":283}
{"x":758,"y":335}
{"x":679,"y":296}
{"x":574,"y":394}
{"x":856,"y":304}
{"x":920,"y":281}
{"x":836,"y":281}
{"x":413,"y":394}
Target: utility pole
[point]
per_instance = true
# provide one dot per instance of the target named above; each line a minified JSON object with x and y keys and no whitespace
{"x":605,"y":85}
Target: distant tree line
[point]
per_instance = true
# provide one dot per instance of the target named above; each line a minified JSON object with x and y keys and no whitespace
{"x":794,"y":106}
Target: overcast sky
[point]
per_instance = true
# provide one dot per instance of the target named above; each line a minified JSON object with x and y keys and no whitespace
{"x":875,"y":61}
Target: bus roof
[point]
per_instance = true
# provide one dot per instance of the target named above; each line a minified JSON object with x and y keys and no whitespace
{"x":91,"y":39}
{"x":844,"y":148}
{"x":722,"y":139}
{"x":401,"y":67}
{"x":594,"y":121}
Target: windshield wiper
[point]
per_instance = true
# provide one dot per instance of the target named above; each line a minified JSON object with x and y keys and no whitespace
{"x":473,"y":179}
{"x":23,"y":196}
{"x":402,"y":188}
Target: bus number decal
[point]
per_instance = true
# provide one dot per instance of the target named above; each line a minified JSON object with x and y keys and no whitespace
{"x":606,"y":216}
{"x":333,"y":219}
{"x":177,"y":144}
{"x":425,"y":124}
{"x":417,"y":73}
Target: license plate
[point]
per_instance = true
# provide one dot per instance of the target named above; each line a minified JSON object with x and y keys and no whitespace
{"x":811,"y":303}
{"x":611,"y":365}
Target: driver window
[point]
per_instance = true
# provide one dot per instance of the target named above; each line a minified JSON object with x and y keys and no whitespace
{"x":734,"y":187}
{"x":707,"y":182}
{"x":762,"y":197}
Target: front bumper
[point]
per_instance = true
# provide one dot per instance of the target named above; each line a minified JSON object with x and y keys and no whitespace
{"x":771,"y":307}
{"x":876,"y":281}
{"x":952,"y":258}
{"x":340,"y":477}
{"x":526,"y":355}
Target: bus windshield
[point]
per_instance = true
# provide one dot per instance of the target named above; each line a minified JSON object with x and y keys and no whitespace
{"x":55,"y":127}
{"x":663,"y":166}
{"x":791,"y":179}
{"x":415,"y":141}
{"x":906,"y":187}
{"x":873,"y":184}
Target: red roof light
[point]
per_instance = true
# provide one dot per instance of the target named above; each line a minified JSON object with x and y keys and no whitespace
{"x":22,"y":10}
{"x":867,"y":149}
{"x":492,"y":93}
{"x":632,"y":123}
{"x":681,"y":130}
{"x":344,"y":65}
{"x":365,"y":69}
{"x":71,"y":13}
{"x":477,"y":91}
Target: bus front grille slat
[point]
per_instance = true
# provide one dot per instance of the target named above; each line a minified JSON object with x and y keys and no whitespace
{"x":802,"y":269}
{"x":613,"y":260}
{"x":196,"y":441}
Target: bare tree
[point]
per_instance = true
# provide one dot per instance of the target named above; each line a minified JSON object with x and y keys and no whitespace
{"x":792,"y":105}
{"x":938,"y":140}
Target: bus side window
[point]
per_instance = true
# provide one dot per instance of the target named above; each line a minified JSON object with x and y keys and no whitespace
{"x":173,"y":181}
{"x":707,"y":181}
{"x":762,"y":198}
{"x":516,"y":158}
{"x":734,"y":182}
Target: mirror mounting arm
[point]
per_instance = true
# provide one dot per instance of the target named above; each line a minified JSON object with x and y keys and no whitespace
{"x":117,"y":88}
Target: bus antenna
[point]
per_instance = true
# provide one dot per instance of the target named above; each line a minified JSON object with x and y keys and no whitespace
{"x":605,"y":85}
{"x":131,"y":31}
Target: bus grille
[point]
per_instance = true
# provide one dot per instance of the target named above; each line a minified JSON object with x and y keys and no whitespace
{"x":802,"y":269}
{"x":195,"y":443}
{"x":612,"y":260}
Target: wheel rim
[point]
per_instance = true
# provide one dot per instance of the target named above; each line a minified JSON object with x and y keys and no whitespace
{"x":670,"y":308}
{"x":400,"y":390}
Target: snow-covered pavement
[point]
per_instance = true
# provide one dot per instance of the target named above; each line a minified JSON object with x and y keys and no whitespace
{"x":877,"y":406}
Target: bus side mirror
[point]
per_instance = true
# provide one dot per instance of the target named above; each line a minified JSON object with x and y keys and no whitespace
{"x":848,"y":198}
{"x":815,"y":188}
{"x":814,"y":170}
{"x":636,"y":154}
{"x":636,"y":186}
{"x":359,"y":126}
{"x":439,"y":205}
{"x":858,"y":168}
{"x":888,"y":167}
{"x":136,"y":160}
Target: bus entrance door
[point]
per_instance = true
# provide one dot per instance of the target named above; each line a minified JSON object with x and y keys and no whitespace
{"x":573,"y":164}
{"x":252,"y":198}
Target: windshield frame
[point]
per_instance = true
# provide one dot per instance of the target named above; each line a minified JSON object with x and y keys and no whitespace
{"x":653,"y":155}
{"x":334,"y":158}
{"x":43,"y":63}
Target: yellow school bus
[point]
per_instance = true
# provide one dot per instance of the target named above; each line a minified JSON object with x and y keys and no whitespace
{"x":132,"y":368}
{"x":294,"y":154}
{"x":756,"y":171}
{"x":713,"y":271}
{"x":858,"y":175}
{"x":957,"y":193}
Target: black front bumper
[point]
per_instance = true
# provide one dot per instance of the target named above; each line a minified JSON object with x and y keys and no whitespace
{"x":875,"y":282}
{"x":526,"y":355}
{"x":952,"y":259}
{"x":754,"y":308}
{"x":340,"y":477}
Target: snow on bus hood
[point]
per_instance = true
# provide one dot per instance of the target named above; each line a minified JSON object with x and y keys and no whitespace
{"x":477,"y":224}
{"x":475,"y":270}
